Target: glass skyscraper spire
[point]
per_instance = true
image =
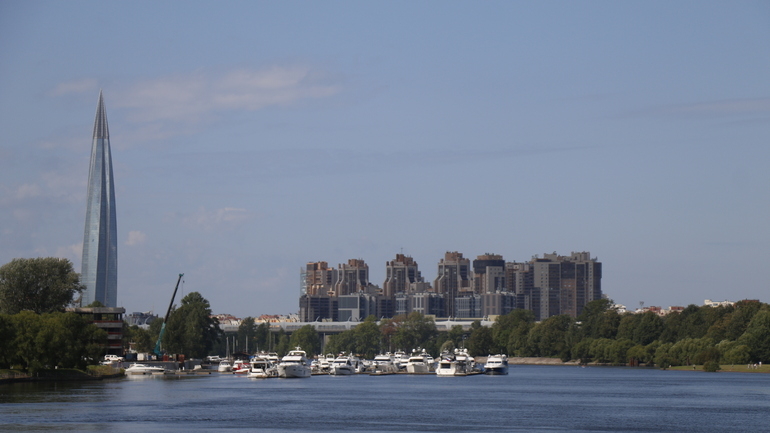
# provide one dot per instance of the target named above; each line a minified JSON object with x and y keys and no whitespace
{"x":100,"y":241}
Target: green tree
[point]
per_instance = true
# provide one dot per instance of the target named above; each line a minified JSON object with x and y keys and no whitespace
{"x":40,"y":285}
{"x":283,"y":346}
{"x":413,"y":331}
{"x":246,"y":335}
{"x":367,"y":336}
{"x":738,"y":354}
{"x":480,"y":342}
{"x":306,"y":338}
{"x":757,"y":336}
{"x":262,"y":337}
{"x":599,"y":320}
{"x":140,"y":339}
{"x":505,"y":325}
{"x":641,"y":328}
{"x":191,"y":330}
{"x":549,"y":337}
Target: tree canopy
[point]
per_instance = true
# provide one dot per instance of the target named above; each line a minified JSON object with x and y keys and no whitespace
{"x":40,"y":285}
{"x":190,"y":329}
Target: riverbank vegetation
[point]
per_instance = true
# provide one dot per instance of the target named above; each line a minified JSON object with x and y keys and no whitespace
{"x":707,"y":336}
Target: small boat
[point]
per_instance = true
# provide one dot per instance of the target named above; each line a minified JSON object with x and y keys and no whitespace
{"x":225,"y":366}
{"x":240,"y":367}
{"x":400,"y":358}
{"x":294,"y":364}
{"x":496,"y":364}
{"x":145,"y":369}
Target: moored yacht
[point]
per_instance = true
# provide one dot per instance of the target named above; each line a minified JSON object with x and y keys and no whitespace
{"x":384,"y":363}
{"x":294,"y":364}
{"x":224,"y":366}
{"x":418,"y":363}
{"x":261,"y":368}
{"x":145,"y":369}
{"x":344,"y":365}
{"x":459,"y":363}
{"x":496,"y":364}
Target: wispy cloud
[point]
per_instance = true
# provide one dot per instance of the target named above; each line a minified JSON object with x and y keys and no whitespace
{"x":722,"y":108}
{"x":136,"y":237}
{"x":75,"y":87}
{"x":197,"y":96}
{"x":209,"y":219}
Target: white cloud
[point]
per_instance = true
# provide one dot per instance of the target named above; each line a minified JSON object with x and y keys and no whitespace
{"x":27,"y":191}
{"x":207,"y":219}
{"x":77,"y":86}
{"x":193,"y":97}
{"x":135,"y":237}
{"x":72,"y":252}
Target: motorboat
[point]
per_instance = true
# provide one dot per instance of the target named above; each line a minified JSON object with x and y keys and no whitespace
{"x":145,"y":369}
{"x":458,"y":363}
{"x":294,"y":364}
{"x":496,"y":364}
{"x":400,"y":358}
{"x":240,"y":367}
{"x":261,"y":368}
{"x":325,"y":363}
{"x":224,"y":366}
{"x":384,"y":363}
{"x":418,"y":363}
{"x":344,"y":365}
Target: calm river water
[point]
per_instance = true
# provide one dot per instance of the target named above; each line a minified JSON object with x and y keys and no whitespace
{"x":530,"y":398}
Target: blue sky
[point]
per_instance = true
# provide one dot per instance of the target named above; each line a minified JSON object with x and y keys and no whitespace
{"x":250,"y":138}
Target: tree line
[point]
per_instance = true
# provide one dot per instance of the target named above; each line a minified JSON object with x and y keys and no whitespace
{"x":35,"y":332}
{"x":735,"y":334}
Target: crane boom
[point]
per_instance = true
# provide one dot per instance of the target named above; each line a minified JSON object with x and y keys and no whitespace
{"x":165,"y":319}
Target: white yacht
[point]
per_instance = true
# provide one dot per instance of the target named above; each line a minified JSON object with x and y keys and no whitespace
{"x":496,"y":364}
{"x":418,"y":363}
{"x":458,"y":363}
{"x":384,"y":363}
{"x":344,"y":365}
{"x":295,"y":364}
{"x":261,"y":368}
{"x":145,"y":369}
{"x":400,"y":358}
{"x":224,"y":366}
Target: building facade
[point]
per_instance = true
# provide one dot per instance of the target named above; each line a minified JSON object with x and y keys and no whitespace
{"x":453,"y":280}
{"x":401,"y":274}
{"x":99,"y":272}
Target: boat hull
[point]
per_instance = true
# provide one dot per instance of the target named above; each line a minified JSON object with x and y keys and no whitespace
{"x":293,"y":370}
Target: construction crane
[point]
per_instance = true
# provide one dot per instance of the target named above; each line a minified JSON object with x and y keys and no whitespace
{"x":165,"y":320}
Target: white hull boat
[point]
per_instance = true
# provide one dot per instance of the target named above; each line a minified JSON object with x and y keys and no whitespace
{"x":295,"y":364}
{"x":144,"y":369}
{"x":496,"y":365}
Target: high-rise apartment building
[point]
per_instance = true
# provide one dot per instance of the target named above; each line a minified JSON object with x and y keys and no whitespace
{"x":352,"y":278}
{"x":319,"y":279}
{"x":453,"y":280}
{"x":566,"y":283}
{"x":400,"y":275}
{"x":99,"y":271}
{"x":488,"y":274}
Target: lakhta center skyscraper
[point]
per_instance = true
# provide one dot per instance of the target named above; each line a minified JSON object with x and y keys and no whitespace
{"x":100,"y":240}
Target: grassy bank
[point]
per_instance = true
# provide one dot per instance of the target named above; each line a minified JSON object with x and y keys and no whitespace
{"x":742,"y":368}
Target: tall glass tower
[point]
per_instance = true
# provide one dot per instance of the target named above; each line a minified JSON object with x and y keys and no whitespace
{"x":100,"y":239}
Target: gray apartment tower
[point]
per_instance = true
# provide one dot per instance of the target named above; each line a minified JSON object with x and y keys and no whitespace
{"x":100,"y":240}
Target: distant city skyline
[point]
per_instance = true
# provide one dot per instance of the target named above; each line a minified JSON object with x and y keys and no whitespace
{"x":284,"y":133}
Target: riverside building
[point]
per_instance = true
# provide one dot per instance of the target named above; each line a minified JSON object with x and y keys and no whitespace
{"x":547,"y":286}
